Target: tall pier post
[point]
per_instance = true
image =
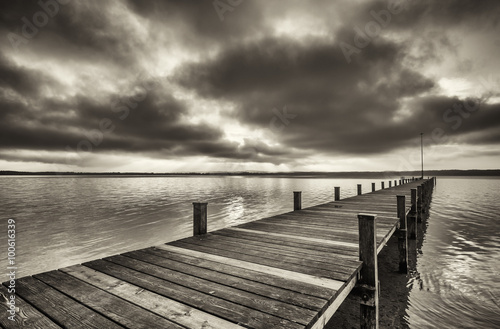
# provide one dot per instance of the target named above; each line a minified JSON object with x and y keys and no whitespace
{"x":337,"y":193}
{"x":297,"y":200}
{"x":390,"y":183}
{"x":359,"y":189}
{"x":382,"y":184}
{"x":199,"y":218}
{"x":403,"y":236}
{"x":373,"y":187}
{"x":368,"y":282}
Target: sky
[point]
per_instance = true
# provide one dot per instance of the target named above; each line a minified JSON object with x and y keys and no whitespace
{"x":240,"y":85}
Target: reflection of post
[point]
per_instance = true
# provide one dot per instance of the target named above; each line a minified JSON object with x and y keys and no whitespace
{"x":402,"y":238}
{"x":359,"y":189}
{"x":199,"y":218}
{"x":412,"y":218}
{"x":419,"y":203}
{"x":412,"y":257}
{"x":297,"y":200}
{"x":425,"y":188}
{"x":368,"y":281}
{"x":337,"y":193}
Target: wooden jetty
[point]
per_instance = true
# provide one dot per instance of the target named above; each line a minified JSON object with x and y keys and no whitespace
{"x":287,"y":271}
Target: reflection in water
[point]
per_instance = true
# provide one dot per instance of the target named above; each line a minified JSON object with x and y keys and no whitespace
{"x":455,"y":283}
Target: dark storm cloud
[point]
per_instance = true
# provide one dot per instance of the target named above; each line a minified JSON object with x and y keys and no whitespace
{"x":315,"y":83}
{"x":76,"y":31}
{"x":21,"y":80}
{"x":153,"y":126}
{"x":343,"y":108}
{"x":412,"y":14}
{"x":198,"y":22}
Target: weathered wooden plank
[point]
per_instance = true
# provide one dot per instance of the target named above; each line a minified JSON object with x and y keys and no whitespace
{"x":277,"y":263}
{"x":350,"y":237}
{"x":122,"y":312}
{"x":304,"y":232}
{"x":342,"y":211}
{"x":177,"y":312}
{"x":273,"y":292}
{"x":299,"y":238}
{"x":290,"y":275}
{"x":206,"y":302}
{"x":330,"y":226}
{"x":61,"y":309}
{"x":270,"y":253}
{"x":272,"y":250}
{"x":277,"y":246}
{"x":240,"y":297}
{"x":283,"y":240}
{"x":298,"y":228}
{"x":25,"y":315}
{"x":240,"y":272}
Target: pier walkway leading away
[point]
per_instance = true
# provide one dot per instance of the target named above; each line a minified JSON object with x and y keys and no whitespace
{"x":287,"y":271}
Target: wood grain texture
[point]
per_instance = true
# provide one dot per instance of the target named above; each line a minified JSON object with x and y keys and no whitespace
{"x":122,"y":312}
{"x":60,"y":308}
{"x":211,"y":304}
{"x":25,"y":316}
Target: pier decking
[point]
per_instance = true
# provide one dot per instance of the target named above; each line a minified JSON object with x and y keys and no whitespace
{"x":287,"y":271}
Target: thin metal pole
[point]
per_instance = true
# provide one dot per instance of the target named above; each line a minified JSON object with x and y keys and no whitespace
{"x":422,"y":153}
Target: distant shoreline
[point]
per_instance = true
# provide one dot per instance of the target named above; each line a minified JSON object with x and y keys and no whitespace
{"x":345,"y":174}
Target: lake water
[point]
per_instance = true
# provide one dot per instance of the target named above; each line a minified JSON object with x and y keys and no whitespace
{"x":62,"y":221}
{"x":457,"y":278}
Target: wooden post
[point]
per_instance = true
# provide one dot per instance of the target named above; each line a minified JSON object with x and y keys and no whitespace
{"x":390,"y":183}
{"x":412,"y":217}
{"x":337,"y":193}
{"x":297,"y":200}
{"x":199,"y":218}
{"x":382,"y":184}
{"x":395,"y":183}
{"x":402,"y":238}
{"x":368,"y":281}
{"x":359,"y":189}
{"x":373,"y":187}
